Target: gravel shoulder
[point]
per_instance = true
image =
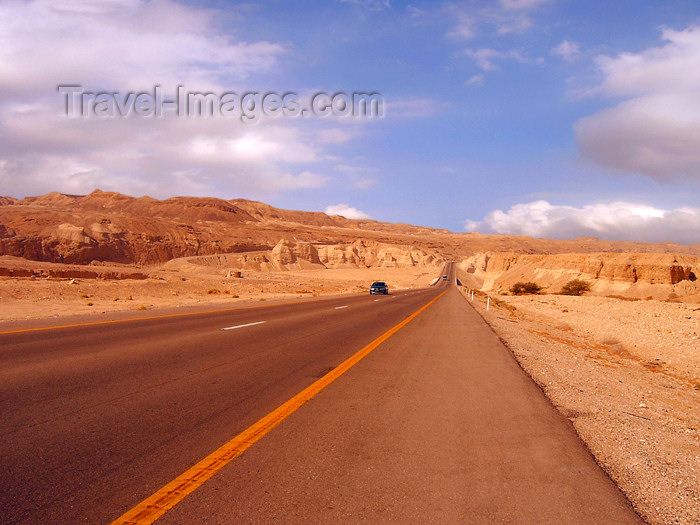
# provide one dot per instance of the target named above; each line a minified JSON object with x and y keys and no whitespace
{"x":627,"y":374}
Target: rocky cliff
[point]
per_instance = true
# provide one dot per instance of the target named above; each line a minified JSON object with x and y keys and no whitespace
{"x":632,"y":274}
{"x":300,"y":255}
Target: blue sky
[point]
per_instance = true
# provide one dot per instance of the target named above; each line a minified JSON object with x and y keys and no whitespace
{"x":552,"y":118}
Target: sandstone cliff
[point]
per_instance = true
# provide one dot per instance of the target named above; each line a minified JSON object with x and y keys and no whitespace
{"x":630,"y":274}
{"x":300,"y":255}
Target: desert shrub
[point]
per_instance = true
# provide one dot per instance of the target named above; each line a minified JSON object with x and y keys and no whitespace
{"x":622,"y":298}
{"x":525,"y":288}
{"x":576,"y":287}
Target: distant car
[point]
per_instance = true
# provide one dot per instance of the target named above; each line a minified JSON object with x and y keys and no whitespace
{"x":444,"y":277}
{"x":379,"y":287}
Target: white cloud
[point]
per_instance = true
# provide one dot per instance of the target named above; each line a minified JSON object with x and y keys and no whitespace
{"x":569,"y":51}
{"x":347,"y":212}
{"x":415,"y":12}
{"x":612,"y":221}
{"x":467,"y":20}
{"x":486,"y":58}
{"x":127,"y":45}
{"x":472,"y":226}
{"x":475,"y":80}
{"x":118,"y":44}
{"x":335,"y":135}
{"x":509,"y":22}
{"x":464,"y":29}
{"x":655,"y":131}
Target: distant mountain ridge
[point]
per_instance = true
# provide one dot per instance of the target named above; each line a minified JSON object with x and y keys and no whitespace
{"x":112,"y":227}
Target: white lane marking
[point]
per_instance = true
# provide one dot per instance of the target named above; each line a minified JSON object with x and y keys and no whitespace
{"x":243,"y":325}
{"x":339,"y":307}
{"x":377,"y":300}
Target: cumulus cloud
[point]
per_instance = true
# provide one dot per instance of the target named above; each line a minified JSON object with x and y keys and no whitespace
{"x":130,"y":45}
{"x":611,"y":221}
{"x":118,"y":44}
{"x":655,"y":130}
{"x":569,"y":51}
{"x":347,"y":212}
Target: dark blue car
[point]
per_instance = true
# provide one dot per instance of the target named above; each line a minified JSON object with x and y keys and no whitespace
{"x":379,"y":287}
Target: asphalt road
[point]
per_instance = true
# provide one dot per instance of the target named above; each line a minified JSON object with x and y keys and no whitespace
{"x":437,"y":425}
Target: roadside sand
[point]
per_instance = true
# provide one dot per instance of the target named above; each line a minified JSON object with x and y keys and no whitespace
{"x":627,"y":375}
{"x":31,"y":298}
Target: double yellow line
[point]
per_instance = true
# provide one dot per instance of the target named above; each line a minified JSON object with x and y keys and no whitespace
{"x":153,"y":507}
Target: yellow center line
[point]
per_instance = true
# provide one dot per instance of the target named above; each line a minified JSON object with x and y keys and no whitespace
{"x":153,"y":507}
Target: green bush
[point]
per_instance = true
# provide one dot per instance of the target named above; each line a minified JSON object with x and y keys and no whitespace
{"x":576,"y":287}
{"x":525,"y":288}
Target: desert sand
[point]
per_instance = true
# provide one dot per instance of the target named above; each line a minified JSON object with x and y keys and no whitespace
{"x":41,"y":296}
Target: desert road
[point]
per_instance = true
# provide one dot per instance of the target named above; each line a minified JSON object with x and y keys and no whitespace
{"x":433,"y":423}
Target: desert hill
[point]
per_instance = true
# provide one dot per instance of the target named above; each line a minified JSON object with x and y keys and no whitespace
{"x":194,"y":232}
{"x":112,"y":227}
